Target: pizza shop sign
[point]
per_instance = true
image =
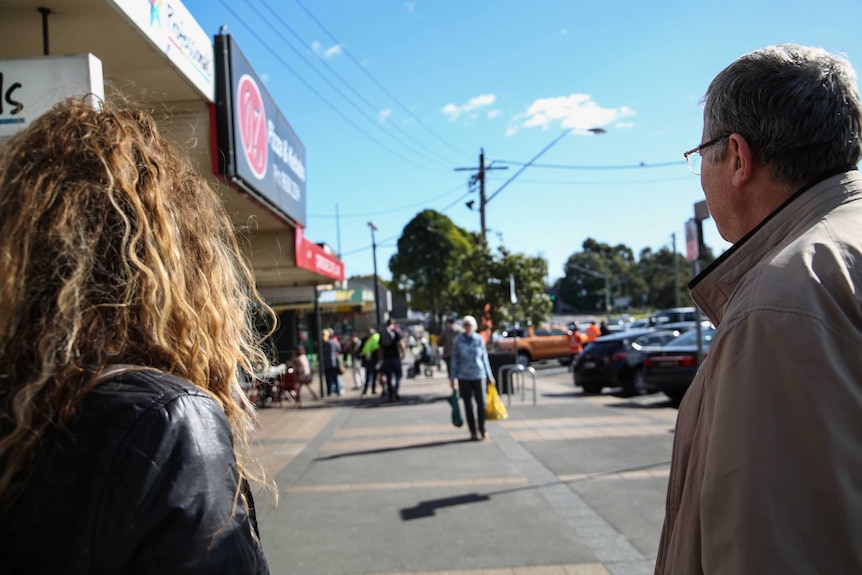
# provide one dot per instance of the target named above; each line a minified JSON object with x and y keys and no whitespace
{"x":257,"y":144}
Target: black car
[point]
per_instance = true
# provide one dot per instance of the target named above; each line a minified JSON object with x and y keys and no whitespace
{"x":616,"y":360}
{"x":671,"y":369}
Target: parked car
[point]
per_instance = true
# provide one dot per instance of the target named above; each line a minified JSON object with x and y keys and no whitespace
{"x":616,"y":360}
{"x":672,"y":315}
{"x":683,"y":326}
{"x":550,"y":341}
{"x":671,"y":369}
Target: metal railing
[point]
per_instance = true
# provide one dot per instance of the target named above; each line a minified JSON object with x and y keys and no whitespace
{"x":513,"y":375}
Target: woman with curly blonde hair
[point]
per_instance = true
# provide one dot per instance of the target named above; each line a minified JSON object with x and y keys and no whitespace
{"x":125,"y":312}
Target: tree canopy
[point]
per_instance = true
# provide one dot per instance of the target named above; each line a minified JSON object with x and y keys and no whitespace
{"x":648,"y":281}
{"x":450,"y":270}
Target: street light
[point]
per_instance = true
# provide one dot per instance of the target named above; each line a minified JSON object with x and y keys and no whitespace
{"x":376,"y":290}
{"x":604,"y":276}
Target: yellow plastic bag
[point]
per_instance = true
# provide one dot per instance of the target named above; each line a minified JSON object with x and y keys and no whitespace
{"x":494,"y":408}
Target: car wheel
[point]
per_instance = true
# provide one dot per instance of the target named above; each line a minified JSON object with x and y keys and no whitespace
{"x":592,"y":388}
{"x":523,"y":359}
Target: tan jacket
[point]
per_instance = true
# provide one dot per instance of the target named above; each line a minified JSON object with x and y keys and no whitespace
{"x":767,"y":459}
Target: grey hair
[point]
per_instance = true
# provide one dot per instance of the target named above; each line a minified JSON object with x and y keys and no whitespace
{"x":471,"y":320}
{"x":797,"y":107}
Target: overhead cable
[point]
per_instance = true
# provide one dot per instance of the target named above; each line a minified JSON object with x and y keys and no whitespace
{"x":318,"y":94}
{"x":376,"y":82}
{"x":350,"y":101}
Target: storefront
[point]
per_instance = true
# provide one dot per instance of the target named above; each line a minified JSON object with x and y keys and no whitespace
{"x":208,"y":103}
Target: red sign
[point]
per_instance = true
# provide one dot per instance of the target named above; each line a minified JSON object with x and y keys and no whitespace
{"x":312,"y":257}
{"x":252,"y":125}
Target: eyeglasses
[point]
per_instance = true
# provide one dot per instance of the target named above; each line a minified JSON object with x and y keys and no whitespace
{"x":694,"y":158}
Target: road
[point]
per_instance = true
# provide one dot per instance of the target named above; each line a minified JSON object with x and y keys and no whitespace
{"x":573,"y":485}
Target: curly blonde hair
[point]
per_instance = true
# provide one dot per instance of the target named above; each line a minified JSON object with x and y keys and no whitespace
{"x":113,"y":250}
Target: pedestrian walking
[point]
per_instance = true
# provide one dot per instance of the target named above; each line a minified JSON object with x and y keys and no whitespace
{"x":593,"y":332}
{"x":126,"y":310}
{"x":330,"y":361}
{"x":352,"y":347}
{"x":470,"y":369}
{"x":369,"y":353}
{"x":765,"y":475}
{"x":391,"y":353}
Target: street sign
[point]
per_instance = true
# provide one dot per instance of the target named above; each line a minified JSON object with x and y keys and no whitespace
{"x":692,"y":243}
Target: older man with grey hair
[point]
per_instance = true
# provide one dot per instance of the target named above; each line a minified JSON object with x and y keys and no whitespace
{"x":767,"y":460}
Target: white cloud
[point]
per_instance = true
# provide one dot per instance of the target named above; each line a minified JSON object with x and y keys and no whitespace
{"x":576,"y":111}
{"x":327,"y":53}
{"x":409,"y":6}
{"x":384,"y":115}
{"x":493,"y":114}
{"x":473,"y":104}
{"x":623,"y":125}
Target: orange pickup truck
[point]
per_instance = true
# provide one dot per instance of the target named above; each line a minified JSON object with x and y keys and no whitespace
{"x":546,"y":342}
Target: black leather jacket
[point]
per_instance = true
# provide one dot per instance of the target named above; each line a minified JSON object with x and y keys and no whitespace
{"x":141,"y":481}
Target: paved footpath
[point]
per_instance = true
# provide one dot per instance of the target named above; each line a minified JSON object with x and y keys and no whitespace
{"x":572,"y":486}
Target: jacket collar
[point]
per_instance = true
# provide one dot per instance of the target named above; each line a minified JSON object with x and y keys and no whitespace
{"x":712,"y":288}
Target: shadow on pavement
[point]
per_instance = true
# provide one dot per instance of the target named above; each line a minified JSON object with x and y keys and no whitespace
{"x":428,"y":508}
{"x":391,"y":449}
{"x":636,"y":405}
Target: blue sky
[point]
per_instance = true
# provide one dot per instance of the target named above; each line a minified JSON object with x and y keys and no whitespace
{"x":389,"y":97}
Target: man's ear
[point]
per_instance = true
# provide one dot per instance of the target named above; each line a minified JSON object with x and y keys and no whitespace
{"x":743,"y":160}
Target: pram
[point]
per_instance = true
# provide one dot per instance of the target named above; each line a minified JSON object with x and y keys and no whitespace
{"x":428,"y":359}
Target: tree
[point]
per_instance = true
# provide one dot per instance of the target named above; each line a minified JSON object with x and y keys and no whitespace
{"x":528,"y":275}
{"x":657,"y":269}
{"x":649,"y":279}
{"x":431,"y":250}
{"x":586,"y":290}
{"x":485,"y":280}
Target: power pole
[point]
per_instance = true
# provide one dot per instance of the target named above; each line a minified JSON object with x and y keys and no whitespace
{"x":479,"y":176}
{"x":675,"y":272}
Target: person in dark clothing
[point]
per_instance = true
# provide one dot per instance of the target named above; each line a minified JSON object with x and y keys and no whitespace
{"x":126,"y":313}
{"x":330,"y":361}
{"x":604,"y":329}
{"x":392,"y":352}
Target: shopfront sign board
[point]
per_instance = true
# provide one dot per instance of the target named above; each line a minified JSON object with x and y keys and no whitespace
{"x":256,"y":146}
{"x":29,"y":87}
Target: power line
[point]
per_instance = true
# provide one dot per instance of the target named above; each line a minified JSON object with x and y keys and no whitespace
{"x":640,"y":166}
{"x":368,"y":247}
{"x":318,"y":94}
{"x":601,"y":183}
{"x":364,"y":100}
{"x":376,"y":82}
{"x":392,"y":210}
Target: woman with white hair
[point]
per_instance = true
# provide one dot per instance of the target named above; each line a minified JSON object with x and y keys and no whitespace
{"x":469,"y":370}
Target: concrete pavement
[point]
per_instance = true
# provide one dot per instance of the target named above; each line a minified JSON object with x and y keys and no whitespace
{"x":574,"y":485}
